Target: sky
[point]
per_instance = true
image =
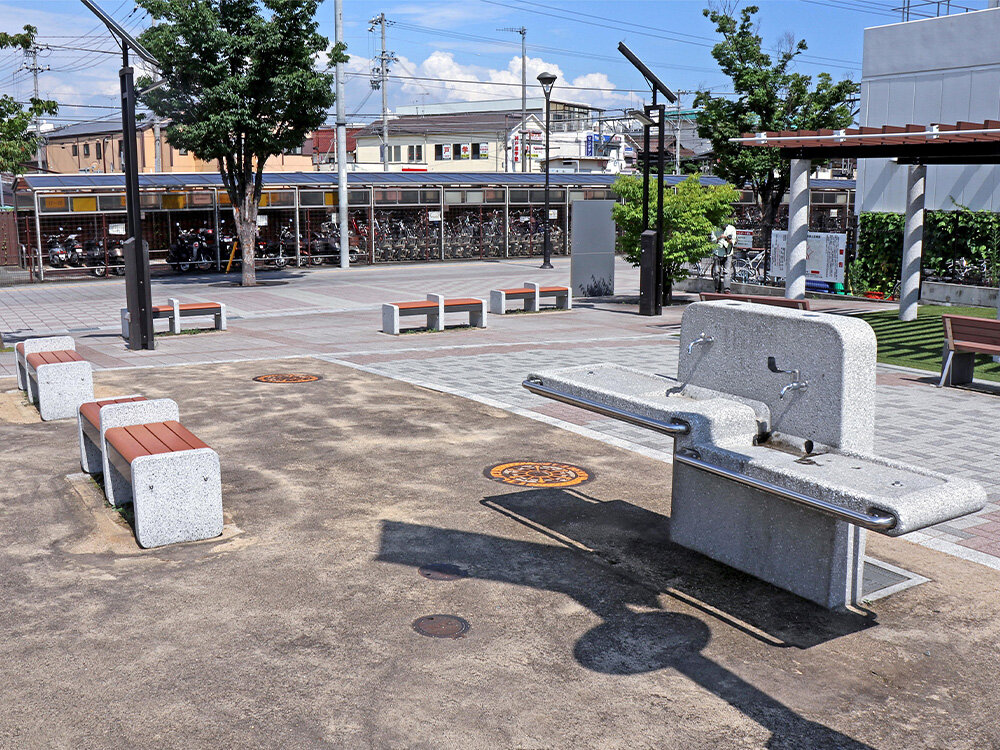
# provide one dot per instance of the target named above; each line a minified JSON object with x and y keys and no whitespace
{"x":451,"y":50}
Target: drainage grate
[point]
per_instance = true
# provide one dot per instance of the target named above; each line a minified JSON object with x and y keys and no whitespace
{"x":538,"y":474}
{"x":287,"y":377}
{"x":882,"y":579}
{"x":441,"y":626}
{"x":442,"y":572}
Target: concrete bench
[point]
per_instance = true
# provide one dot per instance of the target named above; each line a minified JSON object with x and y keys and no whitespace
{"x":92,"y":435}
{"x":58,"y":380}
{"x":174,"y":311}
{"x":532,"y":294}
{"x":760,"y":299}
{"x":172,"y":478}
{"x":434,"y":310}
{"x":964,"y":337}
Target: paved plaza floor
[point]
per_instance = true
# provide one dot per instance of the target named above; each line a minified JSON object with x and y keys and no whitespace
{"x":335,"y":315}
{"x":588,"y":627}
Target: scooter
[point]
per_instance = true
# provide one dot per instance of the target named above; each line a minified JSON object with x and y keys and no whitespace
{"x":190,"y":252}
{"x":56,"y":250}
{"x":102,"y":263}
{"x":277,"y":252}
{"x":74,"y":249}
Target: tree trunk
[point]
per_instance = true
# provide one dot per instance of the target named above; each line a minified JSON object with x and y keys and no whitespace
{"x":245,"y":217}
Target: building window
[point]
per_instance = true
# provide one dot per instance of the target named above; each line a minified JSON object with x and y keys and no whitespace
{"x":76,"y":151}
{"x":97,"y":150}
{"x":415,"y":153}
{"x":86,"y":150}
{"x":456,"y":151}
{"x":182,"y":151}
{"x":442,"y":152}
{"x":394,"y":153}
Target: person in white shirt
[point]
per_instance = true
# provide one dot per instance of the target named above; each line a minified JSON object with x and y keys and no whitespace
{"x":722,"y":266}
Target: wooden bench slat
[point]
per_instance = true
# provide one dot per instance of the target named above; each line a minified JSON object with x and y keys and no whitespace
{"x":20,"y":348}
{"x":523,"y":290}
{"x":151,"y":439}
{"x":553,"y":289}
{"x":414,"y":305}
{"x":200,"y":306}
{"x":91,"y":411}
{"x":976,"y":346}
{"x":37,"y":359}
{"x":462,"y":301}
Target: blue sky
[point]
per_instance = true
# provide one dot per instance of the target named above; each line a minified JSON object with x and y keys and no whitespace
{"x":443,"y":45}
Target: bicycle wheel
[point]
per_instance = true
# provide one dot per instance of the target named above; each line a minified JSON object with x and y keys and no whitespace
{"x":743,"y":272}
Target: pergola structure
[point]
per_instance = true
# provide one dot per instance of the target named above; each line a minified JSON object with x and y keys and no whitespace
{"x":912,"y":146}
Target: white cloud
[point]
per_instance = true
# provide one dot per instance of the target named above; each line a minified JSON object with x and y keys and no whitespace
{"x":455,"y":81}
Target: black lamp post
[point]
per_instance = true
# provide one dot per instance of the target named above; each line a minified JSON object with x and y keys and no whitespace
{"x":547,"y":79}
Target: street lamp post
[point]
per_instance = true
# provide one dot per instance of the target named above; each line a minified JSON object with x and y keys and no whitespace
{"x":547,"y":79}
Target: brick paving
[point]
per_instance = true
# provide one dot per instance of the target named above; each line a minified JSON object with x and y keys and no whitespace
{"x":334,"y":314}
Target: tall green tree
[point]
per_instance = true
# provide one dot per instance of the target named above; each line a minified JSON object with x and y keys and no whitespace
{"x":690,"y":212}
{"x":242,"y":84}
{"x":18,"y":143}
{"x":769,"y":96}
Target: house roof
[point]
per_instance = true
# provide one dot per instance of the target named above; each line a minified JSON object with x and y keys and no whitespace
{"x":466,"y":122}
{"x":325,"y":140}
{"x":82,"y":129}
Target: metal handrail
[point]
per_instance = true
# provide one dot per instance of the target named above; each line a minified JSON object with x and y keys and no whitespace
{"x":657,"y":425}
{"x":874,"y":521}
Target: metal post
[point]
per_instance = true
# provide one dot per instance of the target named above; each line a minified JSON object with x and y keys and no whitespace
{"x":342,"y":196}
{"x":38,"y":236}
{"x":677,"y":140}
{"x":913,"y":242}
{"x":158,"y":148}
{"x":298,"y":239}
{"x":660,"y":167}
{"x":546,"y":247}
{"x":798,"y":230}
{"x":137,"y":291}
{"x":218,"y":234}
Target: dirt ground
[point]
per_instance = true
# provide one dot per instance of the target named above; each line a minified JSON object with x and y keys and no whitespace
{"x":293,"y":630}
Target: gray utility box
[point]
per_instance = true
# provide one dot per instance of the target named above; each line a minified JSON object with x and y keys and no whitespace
{"x":592,"y":263}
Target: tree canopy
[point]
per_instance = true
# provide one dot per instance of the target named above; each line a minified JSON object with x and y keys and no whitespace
{"x":17,"y":143}
{"x":769,"y":96}
{"x":691,"y":211}
{"x":241,"y":84}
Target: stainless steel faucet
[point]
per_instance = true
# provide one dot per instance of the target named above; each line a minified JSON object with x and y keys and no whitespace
{"x":702,"y":339}
{"x":795,"y":385}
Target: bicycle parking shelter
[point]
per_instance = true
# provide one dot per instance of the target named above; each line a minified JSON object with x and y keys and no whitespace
{"x":394,"y":216}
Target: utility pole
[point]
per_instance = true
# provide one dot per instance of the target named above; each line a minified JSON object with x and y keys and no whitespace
{"x":384,"y":59}
{"x":345,"y":238}
{"x":524,"y":90}
{"x":35,"y":69}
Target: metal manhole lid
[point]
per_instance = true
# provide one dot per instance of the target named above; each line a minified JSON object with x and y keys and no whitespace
{"x":287,"y":377}
{"x":441,"y":626}
{"x":538,"y":474}
{"x":442,"y":572}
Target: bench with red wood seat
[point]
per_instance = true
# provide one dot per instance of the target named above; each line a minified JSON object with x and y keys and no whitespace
{"x":172,"y":477}
{"x":532,"y":294}
{"x":90,"y":434}
{"x":760,"y":299}
{"x":964,"y":337}
{"x":434,"y":308}
{"x":175,"y":310}
{"x":54,"y":376}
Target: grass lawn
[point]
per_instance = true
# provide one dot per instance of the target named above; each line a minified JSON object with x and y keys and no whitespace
{"x":918,"y":343}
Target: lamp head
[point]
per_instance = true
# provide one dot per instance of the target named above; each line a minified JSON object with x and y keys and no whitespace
{"x":546,"y":79}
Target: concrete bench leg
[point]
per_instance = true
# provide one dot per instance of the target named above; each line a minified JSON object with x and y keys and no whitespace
{"x":125,"y":320}
{"x":22,"y":371}
{"x":117,"y":488}
{"x":62,"y":387}
{"x":91,"y":458}
{"x":957,"y":368}
{"x":478,"y":318}
{"x":220,"y":319}
{"x":435,"y":319}
{"x":533,"y":304}
{"x":498,"y":302}
{"x":390,"y":319}
{"x":177,"y":497}
{"x":564,"y":301}
{"x":175,"y":318}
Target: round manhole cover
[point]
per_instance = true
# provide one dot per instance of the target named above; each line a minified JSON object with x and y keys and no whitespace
{"x":287,"y":377}
{"x":538,"y":474}
{"x":441,"y":626}
{"x":442,"y":572}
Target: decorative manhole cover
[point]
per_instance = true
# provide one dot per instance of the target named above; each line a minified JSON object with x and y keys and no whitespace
{"x":287,"y":377}
{"x":441,"y":626}
{"x":442,"y":572}
{"x":538,"y":474}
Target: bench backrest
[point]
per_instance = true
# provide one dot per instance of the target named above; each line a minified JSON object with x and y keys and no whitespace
{"x":970,"y":329}
{"x":760,"y":299}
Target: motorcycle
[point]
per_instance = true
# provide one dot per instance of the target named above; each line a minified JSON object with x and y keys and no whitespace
{"x":277,"y":252}
{"x":56,"y":250}
{"x":102,"y":263}
{"x":74,"y":249}
{"x":325,"y":245}
{"x":192,"y":251}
